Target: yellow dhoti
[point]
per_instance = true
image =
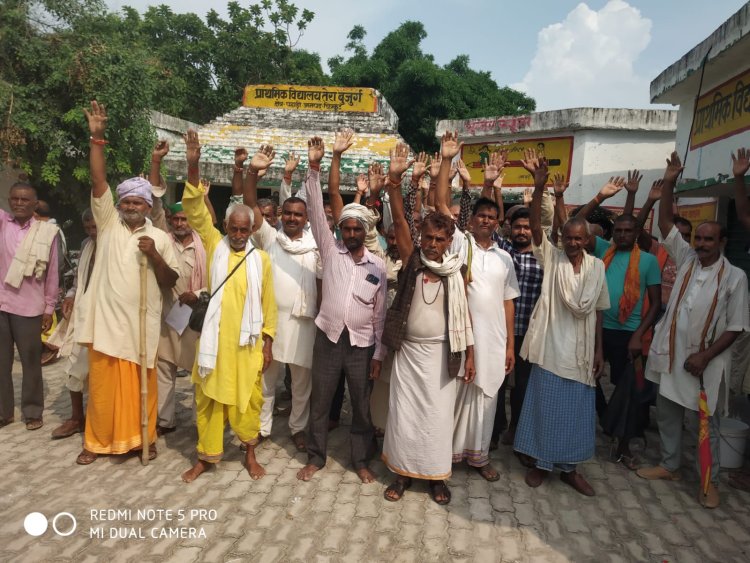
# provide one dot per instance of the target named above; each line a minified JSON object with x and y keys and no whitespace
{"x":113,"y":414}
{"x":212,"y":417}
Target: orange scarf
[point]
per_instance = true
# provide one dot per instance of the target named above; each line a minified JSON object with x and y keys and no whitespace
{"x":631,"y":293}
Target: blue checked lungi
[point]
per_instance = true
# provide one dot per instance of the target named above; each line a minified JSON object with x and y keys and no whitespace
{"x":558,"y":421}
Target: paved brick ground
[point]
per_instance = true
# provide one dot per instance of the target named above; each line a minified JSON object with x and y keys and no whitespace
{"x":334,"y":517}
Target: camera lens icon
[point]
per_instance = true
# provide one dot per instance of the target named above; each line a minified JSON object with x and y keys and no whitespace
{"x":36,"y":523}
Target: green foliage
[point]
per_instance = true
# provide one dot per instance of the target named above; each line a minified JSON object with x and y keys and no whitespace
{"x":57,"y":55}
{"x":420,"y":91}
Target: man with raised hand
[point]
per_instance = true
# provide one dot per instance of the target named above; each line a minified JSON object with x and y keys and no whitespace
{"x":707,"y":311}
{"x":239,"y":326}
{"x":112,"y":325}
{"x":350,"y":324}
{"x":429,"y":329}
{"x":176,"y":349}
{"x":295,"y":263}
{"x":557,"y":427}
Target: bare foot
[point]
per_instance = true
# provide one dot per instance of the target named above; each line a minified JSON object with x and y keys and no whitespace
{"x":194,"y":472}
{"x":254,"y":468}
{"x":306,"y":473}
{"x":365,"y":475}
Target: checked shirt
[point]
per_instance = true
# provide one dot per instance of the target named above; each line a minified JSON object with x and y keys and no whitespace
{"x":529,"y":274}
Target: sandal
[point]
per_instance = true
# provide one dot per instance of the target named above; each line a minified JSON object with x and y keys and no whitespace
{"x":440,"y":488}
{"x":399,"y":486}
{"x":86,"y":458}
{"x":488,"y":472}
{"x":152,"y":453}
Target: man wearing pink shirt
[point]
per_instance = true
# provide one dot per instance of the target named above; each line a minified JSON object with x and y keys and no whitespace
{"x":350,"y":325}
{"x":28,"y":295}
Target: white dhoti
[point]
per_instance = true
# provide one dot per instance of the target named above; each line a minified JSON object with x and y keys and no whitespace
{"x":77,"y":368}
{"x":420,"y":418}
{"x":473,"y":419}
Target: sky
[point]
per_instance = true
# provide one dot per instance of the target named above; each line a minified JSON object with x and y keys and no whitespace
{"x":598,"y":53}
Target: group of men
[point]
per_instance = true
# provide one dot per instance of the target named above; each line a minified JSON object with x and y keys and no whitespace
{"x":445,"y":317}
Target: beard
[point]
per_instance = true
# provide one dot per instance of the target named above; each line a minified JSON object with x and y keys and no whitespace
{"x":133,"y":218}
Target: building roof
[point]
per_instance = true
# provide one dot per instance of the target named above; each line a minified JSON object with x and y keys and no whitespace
{"x":729,"y":51}
{"x":289,"y":130}
{"x":562,"y":120}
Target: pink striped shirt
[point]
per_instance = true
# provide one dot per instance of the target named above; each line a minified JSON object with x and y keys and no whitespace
{"x":354,"y":293}
{"x":34,"y":297}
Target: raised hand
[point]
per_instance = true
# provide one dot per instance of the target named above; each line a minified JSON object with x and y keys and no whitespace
{"x":453,"y":172}
{"x":741,"y":163}
{"x":240,"y":156}
{"x":97,"y":119}
{"x":449,"y":145}
{"x":192,"y":147}
{"x":434,"y":166}
{"x":376,"y":178}
{"x":206,"y":183}
{"x":634,"y":181}
{"x":463,"y":172}
{"x":654,"y":194}
{"x":528,"y":194}
{"x":362,"y":184}
{"x":674,"y":168}
{"x":536,"y":166}
{"x":315,"y":150}
{"x":494,"y":166}
{"x":420,"y":167}
{"x":612,"y":187}
{"x":559,"y":185}
{"x":160,"y":150}
{"x":342,"y":141}
{"x":291,"y":163}
{"x":399,"y":163}
{"x":263,"y":158}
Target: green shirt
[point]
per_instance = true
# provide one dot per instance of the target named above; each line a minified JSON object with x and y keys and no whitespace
{"x":648,"y":268}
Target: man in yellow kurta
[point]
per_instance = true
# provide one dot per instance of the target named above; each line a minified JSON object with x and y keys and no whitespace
{"x":238,"y":331}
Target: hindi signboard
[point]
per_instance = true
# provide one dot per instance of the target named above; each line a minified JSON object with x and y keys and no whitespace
{"x":310,"y":98}
{"x":558,"y":150}
{"x":722,"y":112}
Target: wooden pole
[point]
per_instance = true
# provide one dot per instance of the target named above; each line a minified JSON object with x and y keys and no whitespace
{"x":142,"y":358}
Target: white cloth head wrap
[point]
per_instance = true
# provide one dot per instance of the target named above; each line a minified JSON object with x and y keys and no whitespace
{"x":360,"y":213}
{"x":136,"y":187}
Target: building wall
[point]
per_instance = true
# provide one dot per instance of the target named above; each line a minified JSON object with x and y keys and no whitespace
{"x":713,"y":159}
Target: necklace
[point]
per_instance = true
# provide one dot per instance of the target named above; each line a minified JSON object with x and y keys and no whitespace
{"x":425,"y":281}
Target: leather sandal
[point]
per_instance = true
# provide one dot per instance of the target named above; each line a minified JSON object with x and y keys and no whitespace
{"x":68,"y":428}
{"x":440,"y":488}
{"x":86,"y":458}
{"x":399,"y":486}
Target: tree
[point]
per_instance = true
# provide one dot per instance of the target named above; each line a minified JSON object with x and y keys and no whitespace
{"x":421,"y":91}
{"x":57,"y":55}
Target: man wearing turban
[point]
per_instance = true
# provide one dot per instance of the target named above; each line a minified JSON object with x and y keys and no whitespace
{"x":111,"y":328}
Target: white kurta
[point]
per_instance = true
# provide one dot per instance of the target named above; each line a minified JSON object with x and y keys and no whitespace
{"x":731,"y":314}
{"x":295,"y":336}
{"x":493,"y":282}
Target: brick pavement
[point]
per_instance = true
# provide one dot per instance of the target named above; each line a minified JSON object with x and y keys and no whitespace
{"x":334,"y":517}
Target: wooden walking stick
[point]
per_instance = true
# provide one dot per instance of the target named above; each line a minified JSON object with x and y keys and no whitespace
{"x":142,"y":358}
